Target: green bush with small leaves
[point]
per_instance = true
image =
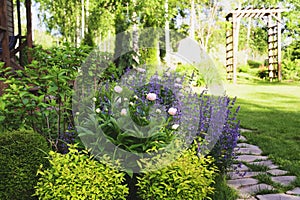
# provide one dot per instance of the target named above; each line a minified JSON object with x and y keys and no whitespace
{"x":21,"y":154}
{"x":188,"y":177}
{"x":76,"y":175}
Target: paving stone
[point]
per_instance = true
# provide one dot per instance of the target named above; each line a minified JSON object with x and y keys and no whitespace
{"x":267,"y":163}
{"x":250,"y":158}
{"x":284,"y":180}
{"x":251,"y":151}
{"x":252,"y":189}
{"x":242,"y":138}
{"x":234,"y":175}
{"x":277,"y":197}
{"x":239,"y":168}
{"x":243,"y":130}
{"x":295,"y":191}
{"x":248,"y":198}
{"x":242,"y":182}
{"x":245,"y":145}
{"x":277,"y":172}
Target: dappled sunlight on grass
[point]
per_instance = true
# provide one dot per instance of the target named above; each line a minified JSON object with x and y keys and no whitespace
{"x":273,"y":112}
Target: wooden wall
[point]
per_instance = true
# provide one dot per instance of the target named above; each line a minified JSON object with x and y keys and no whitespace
{"x":10,"y":19}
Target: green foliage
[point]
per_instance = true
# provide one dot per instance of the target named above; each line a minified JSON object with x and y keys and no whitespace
{"x":21,"y":154}
{"x":191,"y":73}
{"x":189,"y":177}
{"x":222,"y":190}
{"x":243,"y":68}
{"x":291,"y":62}
{"x":39,"y":97}
{"x":77,"y":175}
{"x":254,"y":63}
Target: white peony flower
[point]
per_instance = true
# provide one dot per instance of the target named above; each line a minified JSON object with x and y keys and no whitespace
{"x":175,"y":126}
{"x":98,"y":110}
{"x":172,"y":111}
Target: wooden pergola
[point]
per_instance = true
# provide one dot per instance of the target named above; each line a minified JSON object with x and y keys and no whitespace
{"x":273,"y":17}
{"x":8,"y":38}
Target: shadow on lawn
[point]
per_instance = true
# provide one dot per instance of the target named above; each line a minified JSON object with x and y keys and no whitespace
{"x":277,"y":128}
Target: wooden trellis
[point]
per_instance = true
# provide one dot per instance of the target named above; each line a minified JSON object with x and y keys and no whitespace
{"x":273,"y":18}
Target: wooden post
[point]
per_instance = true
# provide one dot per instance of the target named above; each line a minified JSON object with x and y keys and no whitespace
{"x":5,"y":39}
{"x":270,"y":47}
{"x":279,"y":47}
{"x":234,"y":47}
{"x":19,"y":29}
{"x":29,"y":29}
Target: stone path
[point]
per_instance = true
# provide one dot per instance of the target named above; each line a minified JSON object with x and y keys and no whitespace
{"x":242,"y":178}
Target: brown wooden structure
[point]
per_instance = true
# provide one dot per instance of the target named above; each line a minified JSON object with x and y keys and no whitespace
{"x":8,"y":37}
{"x":273,"y":17}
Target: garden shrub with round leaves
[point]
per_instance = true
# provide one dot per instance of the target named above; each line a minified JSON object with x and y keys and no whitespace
{"x":21,"y":154}
{"x":76,"y":175}
{"x":188,"y":177}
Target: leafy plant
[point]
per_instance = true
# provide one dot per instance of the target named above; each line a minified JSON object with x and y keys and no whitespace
{"x":76,"y":175}
{"x":21,"y":154}
{"x":189,"y":177}
{"x":39,"y":97}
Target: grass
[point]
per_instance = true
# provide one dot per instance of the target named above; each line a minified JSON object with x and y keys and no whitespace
{"x":272,"y":110}
{"x":222,"y":190}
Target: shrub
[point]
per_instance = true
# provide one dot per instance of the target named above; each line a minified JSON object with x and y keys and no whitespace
{"x":39,"y":97}
{"x":244,"y":68}
{"x":76,"y":175}
{"x":254,"y":63}
{"x":189,"y":177}
{"x":21,"y":153}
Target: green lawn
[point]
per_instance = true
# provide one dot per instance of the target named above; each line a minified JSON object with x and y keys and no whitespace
{"x":273,"y":112}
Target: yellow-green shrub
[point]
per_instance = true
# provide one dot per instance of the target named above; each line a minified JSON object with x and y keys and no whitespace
{"x":76,"y":175}
{"x":21,"y":154}
{"x":189,"y":177}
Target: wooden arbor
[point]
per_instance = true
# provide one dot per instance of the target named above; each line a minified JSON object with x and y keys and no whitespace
{"x":273,"y":17}
{"x":8,"y":39}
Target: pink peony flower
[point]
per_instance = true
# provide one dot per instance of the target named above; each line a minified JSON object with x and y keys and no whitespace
{"x":151,"y":96}
{"x":172,"y":111}
{"x":123,"y":112}
{"x":118,"y":89}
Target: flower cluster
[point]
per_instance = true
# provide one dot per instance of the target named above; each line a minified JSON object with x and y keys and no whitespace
{"x":161,"y":107}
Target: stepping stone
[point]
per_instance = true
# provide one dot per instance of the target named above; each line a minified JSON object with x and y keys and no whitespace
{"x":245,"y":145}
{"x":277,"y":197}
{"x":252,"y":189}
{"x":248,"y":198}
{"x":251,"y":151}
{"x":250,"y":158}
{"x":283,"y":180}
{"x":242,"y":138}
{"x":245,"y":130}
{"x":242,"y":182}
{"x":242,"y":168}
{"x":234,"y":175}
{"x":277,"y":172}
{"x":267,"y":163}
{"x":295,"y":191}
